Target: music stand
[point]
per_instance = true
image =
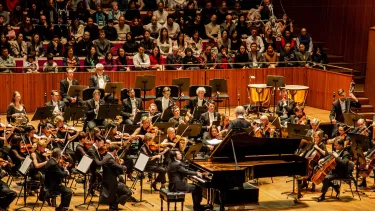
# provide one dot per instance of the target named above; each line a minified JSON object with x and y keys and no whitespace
{"x":76,"y":90}
{"x":183,"y":86}
{"x":275,"y":81}
{"x":276,"y":122}
{"x":43,"y":113}
{"x":74,"y":113}
{"x":163,"y":126}
{"x":198,"y":111}
{"x":138,"y":117}
{"x":82,"y":168}
{"x":297,"y":129}
{"x":24,"y":170}
{"x":113,"y":87}
{"x":109,"y":111}
{"x":327,"y":129}
{"x":166,"y":115}
{"x":358,"y":144}
{"x":216,"y":122}
{"x":87,"y":93}
{"x":219,"y":85}
{"x":193,"y":151}
{"x":140,"y":165}
{"x":351,"y":119}
{"x":189,"y":130}
{"x":145,"y":83}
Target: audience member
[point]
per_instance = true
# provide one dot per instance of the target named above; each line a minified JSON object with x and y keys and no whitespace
{"x":148,"y":42}
{"x":242,"y":58}
{"x":190,"y":61}
{"x":109,"y":63}
{"x":30,"y":64}
{"x":172,"y":27}
{"x":208,"y":57}
{"x":224,"y":59}
{"x":303,"y":56}
{"x":195,"y":43}
{"x":115,"y":13}
{"x":306,"y":40}
{"x":92,"y":29}
{"x":256,"y":58}
{"x":212,"y":29}
{"x":141,"y":60}
{"x":60,"y":29}
{"x":7,"y":62}
{"x":71,"y":60}
{"x":269,"y":39}
{"x":319,"y":58}
{"x":35,"y":47}
{"x":174,"y":60}
{"x":76,"y":29}
{"x":224,"y":40}
{"x":84,"y":44}
{"x":270,"y":57}
{"x":254,"y":38}
{"x":228,"y":25}
{"x":19,"y":47}
{"x":50,"y":66}
{"x":222,"y":12}
{"x":121,"y":61}
{"x":130,"y":46}
{"x":103,"y":46}
{"x":181,"y":44}
{"x":99,"y":17}
{"x":110,"y":31}
{"x":137,"y":30}
{"x":122,"y":29}
{"x":154,"y":27}
{"x":132,"y":12}
{"x":155,"y":59}
{"x":287,"y":56}
{"x":44,"y":29}
{"x":91,"y":59}
{"x":242,"y":27}
{"x":164,"y":42}
{"x":160,"y":14}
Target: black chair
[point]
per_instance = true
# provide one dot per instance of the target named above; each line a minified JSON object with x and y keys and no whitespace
{"x":348,"y":180}
{"x":124,"y":93}
{"x":87,"y":93}
{"x":171,"y":197}
{"x":97,"y":186}
{"x":220,"y":92}
{"x":46,"y":194}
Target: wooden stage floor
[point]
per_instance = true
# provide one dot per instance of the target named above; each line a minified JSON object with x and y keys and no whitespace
{"x":270,"y":197}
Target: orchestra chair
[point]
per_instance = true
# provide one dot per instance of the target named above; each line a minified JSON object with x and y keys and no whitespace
{"x":171,"y":197}
{"x":124,"y":93}
{"x":47,"y":195}
{"x":220,"y":92}
{"x":97,"y":186}
{"x":184,"y":88}
{"x":87,"y":93}
{"x":348,"y":180}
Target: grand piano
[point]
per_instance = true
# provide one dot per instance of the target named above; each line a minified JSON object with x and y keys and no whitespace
{"x":240,"y":158}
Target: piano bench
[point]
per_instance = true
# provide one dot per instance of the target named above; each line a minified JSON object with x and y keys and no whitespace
{"x":173,"y":197}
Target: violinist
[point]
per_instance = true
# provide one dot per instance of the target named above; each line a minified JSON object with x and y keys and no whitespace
{"x":143,"y":129}
{"x":341,"y":170}
{"x":194,"y":102}
{"x":265,"y":126}
{"x":209,"y":117}
{"x":93,"y":153}
{"x":224,"y":125}
{"x":153,"y":113}
{"x":166,"y":101}
{"x":16,"y":153}
{"x":369,"y":155}
{"x":314,"y":128}
{"x":214,"y":138}
{"x":299,"y":116}
{"x":342,"y":105}
{"x":343,"y":136}
{"x":239,"y":122}
{"x":16,"y":113}
{"x":362,"y":129}
{"x":83,"y":145}
{"x":177,"y":119}
{"x":7,"y":195}
{"x":285,"y":106}
{"x":64,"y":88}
{"x":152,"y":165}
{"x":29,"y":136}
{"x":93,"y":110}
{"x":171,"y":142}
{"x":130,"y":107}
{"x":59,"y":106}
{"x":39,"y":158}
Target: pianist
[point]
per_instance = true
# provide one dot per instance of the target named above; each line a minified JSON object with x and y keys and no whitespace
{"x":177,"y":174}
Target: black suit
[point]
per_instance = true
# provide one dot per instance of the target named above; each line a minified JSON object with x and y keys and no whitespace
{"x":159,"y":103}
{"x":113,"y":193}
{"x":127,"y":109}
{"x":289,"y":109}
{"x":91,"y":119}
{"x":341,"y":170}
{"x":173,"y":62}
{"x":95,"y":165}
{"x":60,"y":105}
{"x":239,"y":123}
{"x":205,"y":119}
{"x":336,"y":111}
{"x":152,"y":165}
{"x":177,"y":173}
{"x":64,"y":88}
{"x":53,"y":179}
{"x":94,"y":83}
{"x":6,"y":194}
{"x":194,"y":103}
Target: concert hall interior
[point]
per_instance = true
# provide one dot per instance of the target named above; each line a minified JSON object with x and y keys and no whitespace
{"x":187,"y":105}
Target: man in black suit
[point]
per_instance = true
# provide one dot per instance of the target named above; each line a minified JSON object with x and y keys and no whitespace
{"x":99,"y":80}
{"x":53,"y":179}
{"x":208,"y":117}
{"x":177,"y":173}
{"x":64,"y":88}
{"x":55,"y":102}
{"x":6,"y":194}
{"x":199,"y":100}
{"x":93,"y":110}
{"x":174,"y":61}
{"x":342,"y":106}
{"x":285,"y":107}
{"x":130,"y":107}
{"x":166,"y":101}
{"x":342,"y":169}
{"x":93,"y":153}
{"x":240,"y":121}
{"x":113,"y":192}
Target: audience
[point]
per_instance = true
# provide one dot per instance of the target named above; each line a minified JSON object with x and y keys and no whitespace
{"x":130,"y":46}
{"x":30,"y":65}
{"x":155,"y":59}
{"x":164,"y":42}
{"x":121,"y":61}
{"x":270,"y":57}
{"x":242,"y":58}
{"x":7,"y":62}
{"x":148,"y":42}
{"x":35,"y":47}
{"x":19,"y":47}
{"x":50,"y":66}
{"x":174,"y":60}
{"x":319,"y":58}
{"x":154,"y":27}
{"x":141,"y":60}
{"x":160,"y":14}
{"x":91,"y":59}
{"x":103,"y":46}
{"x":306,"y":40}
{"x":122,"y":29}
{"x":212,"y":29}
{"x":256,"y":58}
{"x":303,"y":56}
{"x":254,"y":38}
{"x":115,"y":13}
{"x":109,"y":63}
{"x":110,"y":31}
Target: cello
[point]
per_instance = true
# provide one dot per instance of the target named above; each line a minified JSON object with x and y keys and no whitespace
{"x":365,"y":169}
{"x":323,"y":169}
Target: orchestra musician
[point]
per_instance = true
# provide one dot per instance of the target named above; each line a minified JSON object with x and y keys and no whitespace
{"x":368,"y":160}
{"x":16,"y":110}
{"x":55,"y":102}
{"x":285,"y":106}
{"x":39,"y":158}
{"x":177,"y":173}
{"x":177,"y":119}
{"x":7,"y":195}
{"x":99,"y":81}
{"x":212,"y":139}
{"x":93,"y":153}
{"x":143,"y":129}
{"x":209,"y":117}
{"x":264,"y":126}
{"x":240,"y":121}
{"x":169,"y":141}
{"x":299,"y":116}
{"x":64,"y":88}
{"x":93,"y":110}
{"x":55,"y":173}
{"x":81,"y":149}
{"x":131,"y":106}
{"x":113,"y":192}
{"x":153,"y":113}
{"x":29,"y":134}
{"x":342,"y":106}
{"x":362,"y":129}
{"x":194,"y":102}
{"x":341,"y":170}
{"x":166,"y":101}
{"x":343,"y":136}
{"x":314,"y":128}
{"x":224,"y":124}
{"x":152,"y":165}
{"x":17,"y":154}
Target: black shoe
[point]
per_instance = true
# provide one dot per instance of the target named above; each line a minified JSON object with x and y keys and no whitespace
{"x":130,"y":177}
{"x":337,"y":190}
{"x":321,"y":198}
{"x":153,"y":186}
{"x":313,"y":188}
{"x":363,"y":184}
{"x":80,"y":181}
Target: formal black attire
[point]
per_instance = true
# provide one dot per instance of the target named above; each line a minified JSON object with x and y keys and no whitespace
{"x":159,"y":103}
{"x":127,"y":109}
{"x":177,"y":173}
{"x":91,"y":119}
{"x":205,"y":119}
{"x":94,"y":83}
{"x":80,"y":152}
{"x":93,"y":30}
{"x":337,"y":112}
{"x":7,"y":195}
{"x":64,"y":88}
{"x":193,"y":103}
{"x":288,"y":107}
{"x":12,"y":110}
{"x":239,"y":123}
{"x":60,"y":105}
{"x":96,"y":164}
{"x":53,"y":179}
{"x":113,"y":192}
{"x":152,"y":165}
{"x":83,"y":47}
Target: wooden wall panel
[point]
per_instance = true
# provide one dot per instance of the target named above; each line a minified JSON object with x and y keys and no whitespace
{"x":322,"y":83}
{"x":370,"y":72}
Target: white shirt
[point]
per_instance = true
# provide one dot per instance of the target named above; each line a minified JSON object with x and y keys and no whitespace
{"x":101,"y":81}
{"x":172,"y":30}
{"x":138,"y":62}
{"x":154,"y":29}
{"x":96,"y":106}
{"x":257,"y":40}
{"x":212,"y":117}
{"x":200,"y":102}
{"x":343,"y":106}
{"x":56,"y":109}
{"x":164,"y":103}
{"x":161,"y":17}
{"x":70,"y":82}
{"x":134,"y":107}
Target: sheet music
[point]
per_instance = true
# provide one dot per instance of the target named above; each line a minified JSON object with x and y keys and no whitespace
{"x":84,"y":164}
{"x":25,"y":165}
{"x":214,"y":141}
{"x":141,"y":162}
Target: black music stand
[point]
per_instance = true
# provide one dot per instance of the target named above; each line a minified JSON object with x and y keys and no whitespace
{"x":109,"y":111}
{"x":138,"y":117}
{"x":43,"y":113}
{"x":82,"y":168}
{"x":74,"y":113}
{"x":166,"y":115}
{"x":113,"y":87}
{"x":276,"y":81}
{"x":327,"y":129}
{"x":87,"y":93}
{"x":216,"y":122}
{"x":183,"y":86}
{"x":76,"y":90}
{"x":296,"y":129}
{"x":140,"y":166}
{"x":219,"y":85}
{"x":163,"y":126}
{"x":358,"y":146}
{"x":351,"y":119}
{"x":24,"y":170}
{"x":198,"y":111}
{"x":193,"y":151}
{"x":274,"y":122}
{"x":189,"y":130}
{"x":145,"y":83}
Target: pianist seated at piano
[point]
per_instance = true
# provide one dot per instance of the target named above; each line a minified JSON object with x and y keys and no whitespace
{"x":240,"y":121}
{"x":213,"y":139}
{"x":177,"y":173}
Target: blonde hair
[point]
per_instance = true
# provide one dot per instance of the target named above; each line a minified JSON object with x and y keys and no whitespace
{"x":13,"y":102}
{"x":148,"y":137}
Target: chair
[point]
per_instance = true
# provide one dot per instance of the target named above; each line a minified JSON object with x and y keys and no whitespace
{"x":87,"y":93}
{"x":219,"y":86}
{"x":171,"y":197}
{"x":47,"y":194}
{"x":348,"y":180}
{"x":124,"y":93}
{"x":98,"y":187}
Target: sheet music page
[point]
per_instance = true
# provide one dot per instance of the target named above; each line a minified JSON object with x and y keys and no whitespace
{"x":25,"y":165}
{"x":84,"y":164}
{"x":141,"y":162}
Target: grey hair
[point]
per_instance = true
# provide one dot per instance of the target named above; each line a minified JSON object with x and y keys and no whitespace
{"x":239,"y":110}
{"x":315,"y":121}
{"x":201,"y":89}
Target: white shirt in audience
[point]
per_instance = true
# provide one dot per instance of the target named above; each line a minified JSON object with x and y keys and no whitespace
{"x":140,"y":62}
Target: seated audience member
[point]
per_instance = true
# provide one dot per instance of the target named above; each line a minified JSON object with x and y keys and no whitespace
{"x":147,"y":18}
{"x":287,"y":56}
{"x":130,"y":46}
{"x":224,"y":40}
{"x":137,"y":30}
{"x":172,"y":27}
{"x":84,"y":44}
{"x":254,"y":38}
{"x":222,"y":12}
{"x":132,"y":12}
{"x":164,"y":42}
{"x":99,"y":17}
{"x":55,"y":47}
{"x":319,"y":58}
{"x":256,"y":58}
{"x":195,"y":43}
{"x":228,"y":25}
{"x":174,"y":60}
{"x":212,"y":29}
{"x":197,"y":25}
{"x":287,"y":38}
{"x":224,"y":59}
{"x":154,"y":27}
{"x":102,"y":45}
{"x":82,"y":14}
{"x":121,"y":61}
{"x":155,"y":59}
{"x":115,"y":13}
{"x":242,"y":58}
{"x":50,"y":66}
{"x":91,"y":60}
{"x":77,"y":29}
{"x":19,"y":47}
{"x":270,"y":57}
{"x":122,"y":28}
{"x":92,"y":29}
{"x":190,"y":61}
{"x":207,"y":12}
{"x":141,"y":60}
{"x":269,"y":39}
{"x":286,"y":24}
{"x":209,"y":59}
{"x":4,"y":43}
{"x":110,"y":31}
{"x":303,"y":56}
{"x":16,"y":16}
{"x":27,"y":29}
{"x":109,"y":63}
{"x":305,"y":39}
{"x":242,"y":27}
{"x":190,"y":12}
{"x":235,"y":42}
{"x":60,"y":29}
{"x":148,"y":42}
{"x":180,"y":43}
{"x":70,"y":60}
{"x":35,"y":47}
{"x":30,"y":65}
{"x":160,"y":14}
{"x":7,"y":62}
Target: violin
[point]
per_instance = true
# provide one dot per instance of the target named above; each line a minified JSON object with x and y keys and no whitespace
{"x":103,"y":149}
{"x":153,"y":129}
{"x":302,"y":120}
{"x":25,"y":147}
{"x":155,"y":147}
{"x":88,"y":144}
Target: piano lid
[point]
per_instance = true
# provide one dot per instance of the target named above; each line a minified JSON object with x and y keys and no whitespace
{"x":247,"y":145}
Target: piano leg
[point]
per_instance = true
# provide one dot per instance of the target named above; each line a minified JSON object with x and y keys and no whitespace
{"x":222,"y":207}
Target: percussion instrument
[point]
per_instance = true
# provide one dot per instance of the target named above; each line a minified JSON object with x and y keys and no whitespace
{"x":298,"y":93}
{"x":259,"y":94}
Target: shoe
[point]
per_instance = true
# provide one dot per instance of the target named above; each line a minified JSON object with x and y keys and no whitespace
{"x":130,"y":177}
{"x":313,"y":188}
{"x":321,"y":198}
{"x":363,"y":183}
{"x":304,"y":185}
{"x":337,"y":190}
{"x":153,"y":186}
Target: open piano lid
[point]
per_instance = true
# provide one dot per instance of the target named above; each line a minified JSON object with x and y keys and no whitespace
{"x":247,"y":145}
